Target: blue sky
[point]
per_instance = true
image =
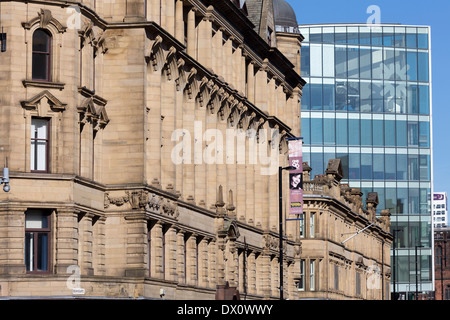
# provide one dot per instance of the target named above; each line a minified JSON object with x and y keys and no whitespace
{"x":434,"y":13}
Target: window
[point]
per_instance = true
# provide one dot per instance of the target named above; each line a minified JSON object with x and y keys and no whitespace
{"x":447,"y":293}
{"x":302,"y":225}
{"x":316,"y":131}
{"x":358,"y":284}
{"x":311,"y":225}
{"x":305,"y":59}
{"x":341,"y":132}
{"x":37,"y":241}
{"x":39,"y":144}
{"x":366,"y":166}
{"x":312,"y":282}
{"x":354,"y":166}
{"x":42,"y":42}
{"x":336,"y":277}
{"x":301,"y":282}
{"x":366,"y":132}
{"x":329,"y":134}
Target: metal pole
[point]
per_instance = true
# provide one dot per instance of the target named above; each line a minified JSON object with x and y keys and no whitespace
{"x":394,"y":265}
{"x":442,"y":277}
{"x":417,"y":275}
{"x":382,"y":269}
{"x":280,"y":218}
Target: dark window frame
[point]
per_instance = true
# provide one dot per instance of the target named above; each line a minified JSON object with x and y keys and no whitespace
{"x":47,"y":145}
{"x":36,"y":232}
{"x":47,"y":54}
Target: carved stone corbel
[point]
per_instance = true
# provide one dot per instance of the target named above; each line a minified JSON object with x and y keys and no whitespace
{"x":45,"y":19}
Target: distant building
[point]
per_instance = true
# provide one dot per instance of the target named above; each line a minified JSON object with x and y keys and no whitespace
{"x":345,"y":246}
{"x":440,"y":210}
{"x":442,"y":263}
{"x":368,"y":103}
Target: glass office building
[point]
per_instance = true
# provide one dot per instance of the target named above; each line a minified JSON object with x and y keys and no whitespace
{"x":368,"y":103}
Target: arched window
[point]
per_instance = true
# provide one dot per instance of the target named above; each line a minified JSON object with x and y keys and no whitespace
{"x":42,"y":42}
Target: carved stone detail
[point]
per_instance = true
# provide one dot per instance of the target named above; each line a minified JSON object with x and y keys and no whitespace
{"x":44,"y":18}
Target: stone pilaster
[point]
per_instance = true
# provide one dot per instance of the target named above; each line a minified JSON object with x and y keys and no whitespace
{"x":98,"y":259}
{"x":85,"y":239}
{"x":181,"y":275}
{"x":136,"y":246}
{"x":66,"y":247}
{"x":171,"y":254}
{"x":212,"y":271}
{"x":12,"y":241}
{"x":191,"y":260}
{"x":191,"y":34}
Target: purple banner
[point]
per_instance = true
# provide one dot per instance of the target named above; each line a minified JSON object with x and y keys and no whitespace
{"x":296,"y":177}
{"x":438,"y":196}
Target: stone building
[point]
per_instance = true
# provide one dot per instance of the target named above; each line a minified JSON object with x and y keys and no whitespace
{"x":112,"y":114}
{"x":116,"y":118}
{"x":345,"y":247}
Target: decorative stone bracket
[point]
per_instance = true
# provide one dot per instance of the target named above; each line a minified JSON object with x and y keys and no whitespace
{"x":36,"y":103}
{"x":142,"y":199}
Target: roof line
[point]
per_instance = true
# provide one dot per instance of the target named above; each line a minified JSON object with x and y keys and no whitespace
{"x":361,"y":24}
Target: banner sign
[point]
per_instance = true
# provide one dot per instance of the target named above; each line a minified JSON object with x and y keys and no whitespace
{"x":438,"y":197}
{"x":296,"y":176}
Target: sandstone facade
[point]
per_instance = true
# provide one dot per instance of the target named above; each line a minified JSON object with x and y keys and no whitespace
{"x":135,"y":198}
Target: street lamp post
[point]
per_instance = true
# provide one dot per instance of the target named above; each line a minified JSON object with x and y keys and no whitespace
{"x":417,"y":275}
{"x":280,"y":220}
{"x":394,"y":261}
{"x":442,"y":261}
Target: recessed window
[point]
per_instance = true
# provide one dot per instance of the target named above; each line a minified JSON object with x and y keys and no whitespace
{"x":39,"y":144}
{"x":37,"y":241}
{"x":42,"y":41}
{"x":312,"y":272}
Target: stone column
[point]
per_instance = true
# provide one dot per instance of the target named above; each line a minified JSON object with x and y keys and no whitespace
{"x":157,"y":251}
{"x":191,"y":261}
{"x":168,"y":113}
{"x":181,"y":259}
{"x":154,"y":122}
{"x":204,"y":42}
{"x":212,"y":258}
{"x":250,"y":183}
{"x":203,"y":263}
{"x":251,"y":82}
{"x":12,"y":241}
{"x":179,"y":21}
{"x":275,"y":275}
{"x":217,"y":46}
{"x":170,"y":16}
{"x":251,"y":282}
{"x":66,"y":247}
{"x":155,"y":10}
{"x":85,"y":244}
{"x":228,"y":60}
{"x":136,"y":246}
{"x":98,"y":258}
{"x":171,"y":254}
{"x":261,"y":93}
{"x":191,"y":34}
